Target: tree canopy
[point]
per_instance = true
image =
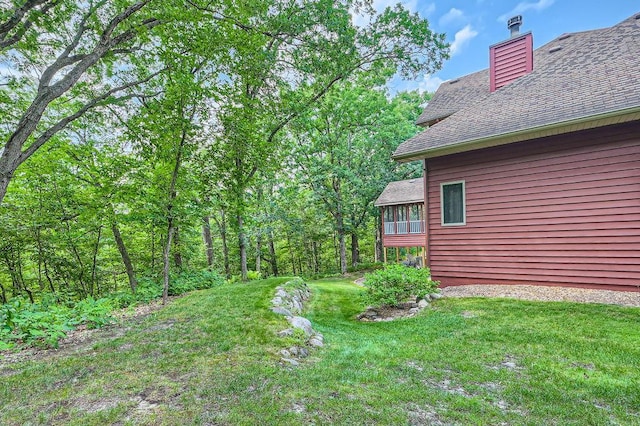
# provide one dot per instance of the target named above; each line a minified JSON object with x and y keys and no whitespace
{"x":144,"y":139}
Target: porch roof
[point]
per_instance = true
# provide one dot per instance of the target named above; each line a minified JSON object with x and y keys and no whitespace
{"x":402,"y":192}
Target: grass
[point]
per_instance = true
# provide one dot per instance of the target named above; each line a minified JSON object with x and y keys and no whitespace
{"x":212,"y":357}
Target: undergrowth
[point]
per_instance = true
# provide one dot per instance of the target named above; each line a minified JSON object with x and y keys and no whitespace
{"x":44,"y":323}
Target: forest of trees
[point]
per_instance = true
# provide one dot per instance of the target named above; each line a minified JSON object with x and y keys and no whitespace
{"x":141,"y":139}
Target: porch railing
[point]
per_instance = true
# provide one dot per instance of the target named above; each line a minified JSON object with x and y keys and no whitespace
{"x":416,"y":227}
{"x":411,"y":227}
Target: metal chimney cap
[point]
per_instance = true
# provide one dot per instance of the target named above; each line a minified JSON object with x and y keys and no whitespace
{"x":514,"y":23}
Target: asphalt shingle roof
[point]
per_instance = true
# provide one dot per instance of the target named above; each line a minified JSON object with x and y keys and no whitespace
{"x":594,"y":73}
{"x":402,"y":192}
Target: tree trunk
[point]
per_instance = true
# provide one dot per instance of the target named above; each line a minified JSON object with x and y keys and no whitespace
{"x":341,"y":242}
{"x":291,"y":253}
{"x":94,"y":263}
{"x":379,"y":246}
{"x":208,"y":241}
{"x":355,"y":250}
{"x":133,"y":282}
{"x":222,"y":225}
{"x":3,"y":294}
{"x":165,"y":259}
{"x":258,"y":252}
{"x":153,"y":247}
{"x":242,"y":243}
{"x":177,"y":253}
{"x":272,"y":253}
{"x":314,"y":257}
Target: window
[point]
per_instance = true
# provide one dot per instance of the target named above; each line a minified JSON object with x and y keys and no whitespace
{"x":452,"y":203}
{"x":416,"y":212}
{"x":389,"y":214}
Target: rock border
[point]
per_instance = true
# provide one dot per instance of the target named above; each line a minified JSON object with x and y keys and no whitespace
{"x":404,"y":310}
{"x":289,"y":302}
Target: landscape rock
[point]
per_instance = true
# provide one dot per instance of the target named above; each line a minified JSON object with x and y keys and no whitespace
{"x":281,"y":311}
{"x":301,"y":323}
{"x":423,"y":304}
{"x":290,"y":361}
{"x":314,"y":341}
{"x":289,"y":301}
{"x":435,"y":296}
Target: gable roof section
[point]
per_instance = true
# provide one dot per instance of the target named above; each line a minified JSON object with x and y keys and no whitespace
{"x":592,"y":80}
{"x":402,"y":192}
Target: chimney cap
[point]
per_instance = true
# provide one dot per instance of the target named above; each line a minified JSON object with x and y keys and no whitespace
{"x":513,"y":24}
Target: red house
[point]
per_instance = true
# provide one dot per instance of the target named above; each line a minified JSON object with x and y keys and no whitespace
{"x":532,"y":167}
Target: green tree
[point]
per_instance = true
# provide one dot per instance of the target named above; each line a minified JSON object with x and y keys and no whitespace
{"x":343,"y":152}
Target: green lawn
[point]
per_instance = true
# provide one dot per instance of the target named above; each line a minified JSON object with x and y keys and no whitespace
{"x":212,"y":357}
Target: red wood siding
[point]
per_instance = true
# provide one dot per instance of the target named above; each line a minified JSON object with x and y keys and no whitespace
{"x":509,"y":60}
{"x":404,"y":240}
{"x":562,"y":210}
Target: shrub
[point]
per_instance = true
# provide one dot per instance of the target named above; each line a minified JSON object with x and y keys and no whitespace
{"x":24,"y":322}
{"x":396,"y":283}
{"x":93,"y":313}
{"x":194,"y":280}
{"x":253,"y":275}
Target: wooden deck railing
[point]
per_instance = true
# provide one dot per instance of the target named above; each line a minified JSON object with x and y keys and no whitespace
{"x":404,"y":227}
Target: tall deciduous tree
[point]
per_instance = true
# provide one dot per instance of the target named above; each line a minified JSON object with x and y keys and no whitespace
{"x":343,"y":152}
{"x":64,"y":59}
{"x":290,"y":56}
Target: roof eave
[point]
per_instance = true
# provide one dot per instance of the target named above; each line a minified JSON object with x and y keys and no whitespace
{"x":399,"y":203}
{"x":582,"y":123}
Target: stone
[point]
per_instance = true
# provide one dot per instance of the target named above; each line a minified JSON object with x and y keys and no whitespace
{"x":423,"y":304}
{"x":435,"y":296}
{"x":290,"y":361}
{"x":414,"y":311}
{"x":276,"y":301}
{"x":315,"y":342}
{"x":303,"y":353}
{"x":281,"y":311}
{"x":285,"y":333}
{"x":302,"y":324}
{"x":285,"y":353}
{"x":509,"y":364}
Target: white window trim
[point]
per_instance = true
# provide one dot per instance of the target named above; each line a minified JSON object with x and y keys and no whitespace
{"x":464,"y":203}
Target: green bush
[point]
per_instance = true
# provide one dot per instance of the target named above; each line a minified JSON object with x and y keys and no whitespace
{"x":93,"y":313}
{"x":396,"y":283}
{"x":254,"y":275}
{"x":194,"y":280}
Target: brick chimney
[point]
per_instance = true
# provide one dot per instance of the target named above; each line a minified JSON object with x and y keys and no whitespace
{"x":511,"y":58}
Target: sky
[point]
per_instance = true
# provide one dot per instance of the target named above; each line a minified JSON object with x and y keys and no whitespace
{"x":471,"y":26}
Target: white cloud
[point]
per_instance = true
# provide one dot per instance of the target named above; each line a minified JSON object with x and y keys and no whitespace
{"x":452,"y":16}
{"x":429,"y":9}
{"x":461,"y":38}
{"x":430,"y":83}
{"x":525,"y":6}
